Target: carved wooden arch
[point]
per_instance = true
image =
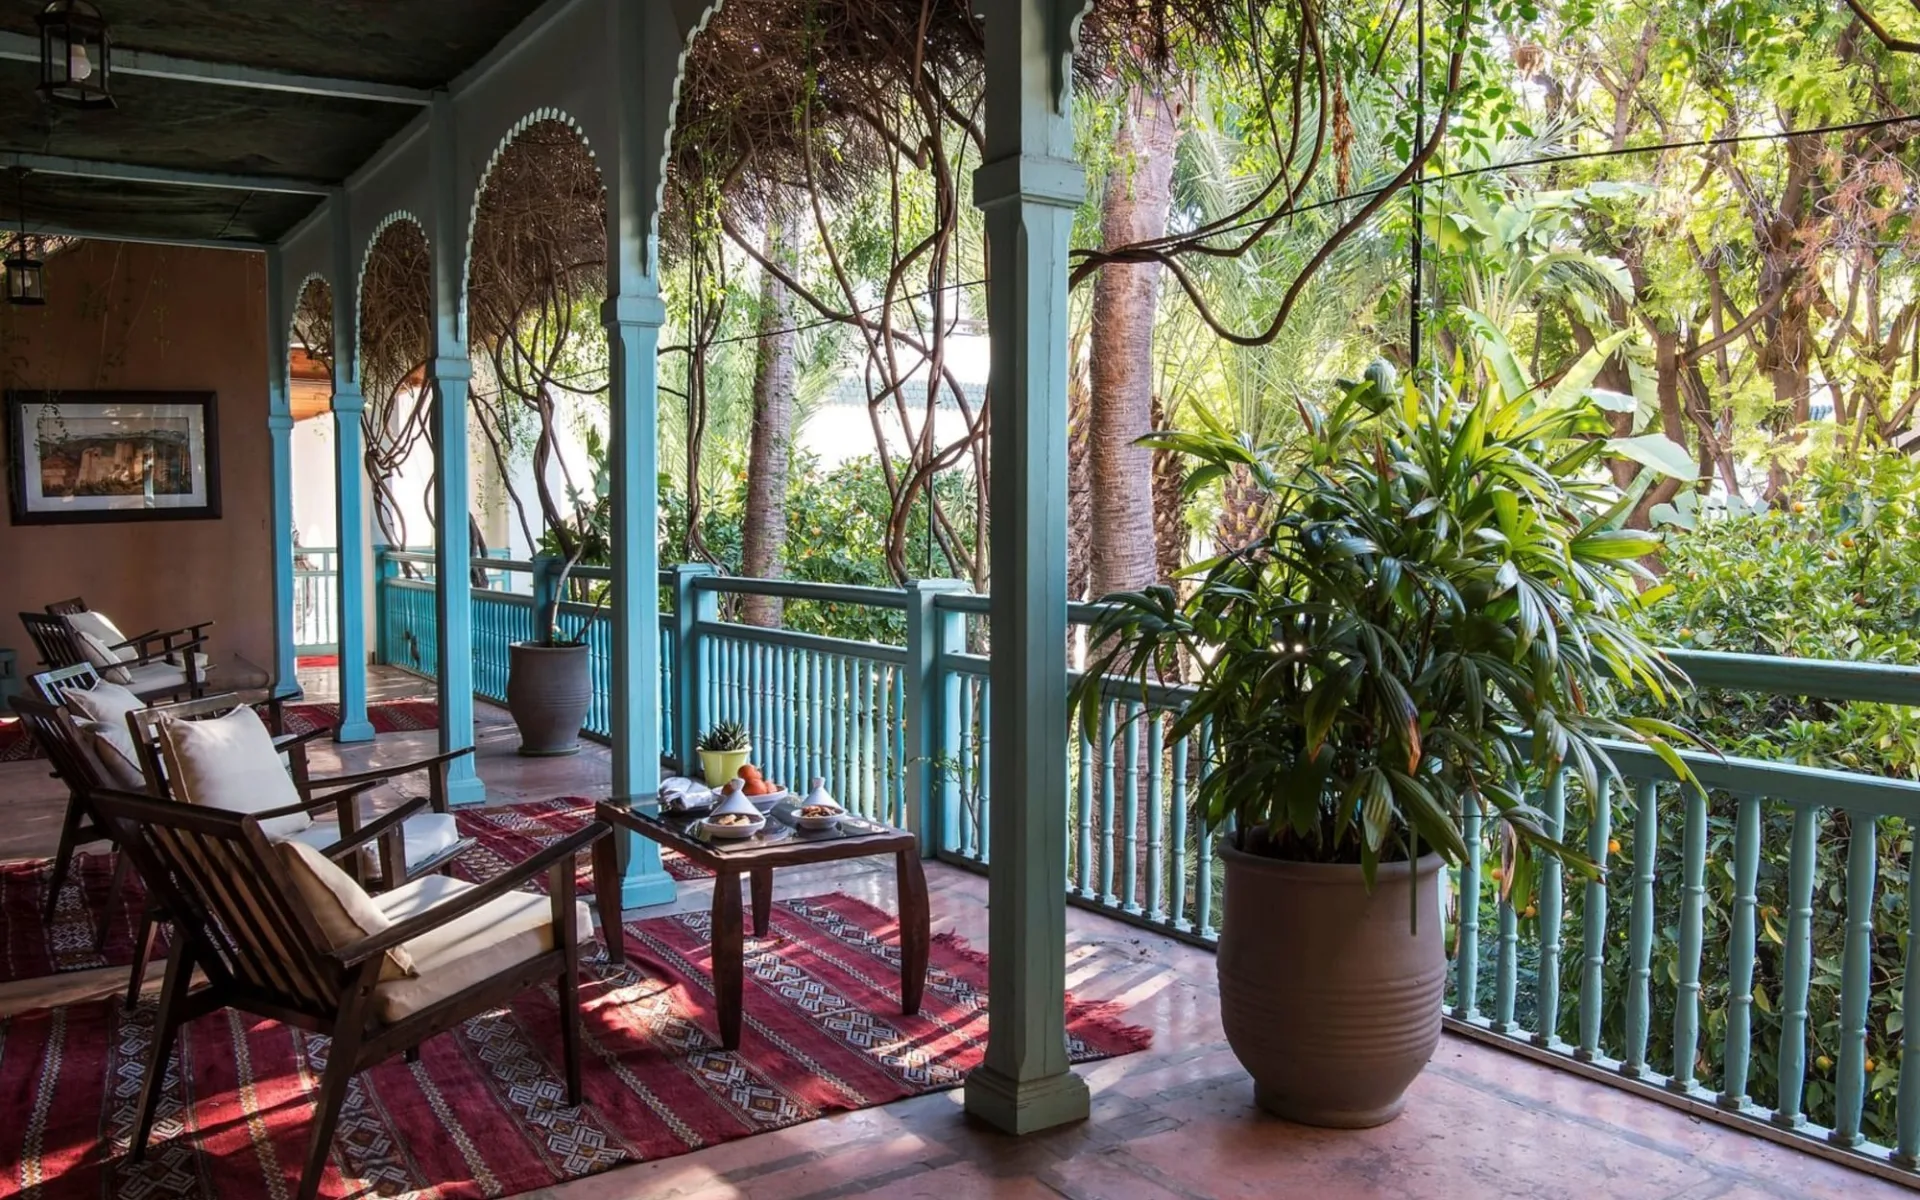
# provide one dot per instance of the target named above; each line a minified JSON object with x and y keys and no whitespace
{"x":294,"y":381}
{"x":360,"y":283}
{"x":500,"y":147}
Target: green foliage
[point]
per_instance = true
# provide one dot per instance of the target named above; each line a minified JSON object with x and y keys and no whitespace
{"x":1438,"y":607}
{"x":724,"y":736}
{"x":836,"y":533}
{"x":1836,"y":575}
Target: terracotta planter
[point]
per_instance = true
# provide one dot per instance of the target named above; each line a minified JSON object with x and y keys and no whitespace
{"x":1330,"y":995}
{"x":548,"y":691}
{"x":718,"y":766}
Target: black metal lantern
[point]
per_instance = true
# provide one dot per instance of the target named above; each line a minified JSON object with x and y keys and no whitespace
{"x":25,"y":282}
{"x":75,"y":55}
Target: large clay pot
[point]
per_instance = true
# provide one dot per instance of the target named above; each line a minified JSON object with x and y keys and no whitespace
{"x":1330,"y":995}
{"x":548,"y":691}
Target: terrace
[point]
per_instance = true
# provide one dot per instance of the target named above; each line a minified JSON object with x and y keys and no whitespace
{"x":1578,"y":1047}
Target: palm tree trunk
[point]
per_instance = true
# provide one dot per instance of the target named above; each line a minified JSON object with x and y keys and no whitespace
{"x":764,"y":533}
{"x":1134,"y":207}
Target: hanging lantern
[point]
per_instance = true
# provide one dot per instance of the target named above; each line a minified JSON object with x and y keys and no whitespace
{"x":25,"y":283}
{"x":75,"y":55}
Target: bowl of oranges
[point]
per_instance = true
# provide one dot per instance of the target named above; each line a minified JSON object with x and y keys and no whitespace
{"x":757,"y":788}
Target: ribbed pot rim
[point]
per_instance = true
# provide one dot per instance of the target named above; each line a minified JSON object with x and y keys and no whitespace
{"x":537,"y":648}
{"x":1327,"y":873}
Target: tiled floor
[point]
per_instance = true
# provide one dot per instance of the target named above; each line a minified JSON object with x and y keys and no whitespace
{"x":1175,"y":1121}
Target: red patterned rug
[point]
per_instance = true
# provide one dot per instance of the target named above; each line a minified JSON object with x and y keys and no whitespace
{"x":386,"y":716}
{"x":505,"y":835}
{"x":481,"y":1114}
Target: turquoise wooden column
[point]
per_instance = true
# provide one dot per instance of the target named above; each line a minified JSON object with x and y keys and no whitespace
{"x":280,"y":433}
{"x":1028,"y":187}
{"x":449,"y":373}
{"x":633,"y":314}
{"x":931,"y":717}
{"x":349,"y":485}
{"x":691,"y":606}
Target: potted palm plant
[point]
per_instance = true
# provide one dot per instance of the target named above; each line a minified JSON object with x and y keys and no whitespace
{"x":1436,"y":610}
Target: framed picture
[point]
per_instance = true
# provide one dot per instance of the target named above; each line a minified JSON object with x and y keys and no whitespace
{"x":78,"y":457}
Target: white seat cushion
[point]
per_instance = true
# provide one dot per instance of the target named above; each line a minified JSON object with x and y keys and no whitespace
{"x":424,"y":838}
{"x":500,"y":934}
{"x":230,"y":763}
{"x":150,"y":678}
{"x":105,"y":702}
{"x":340,"y":907}
{"x":98,"y":638}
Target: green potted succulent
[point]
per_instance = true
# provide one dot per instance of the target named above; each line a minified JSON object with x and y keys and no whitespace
{"x":1435,"y":611}
{"x":724,"y":748}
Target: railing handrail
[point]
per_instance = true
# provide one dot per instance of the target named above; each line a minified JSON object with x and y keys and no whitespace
{"x":803,"y":589}
{"x":1782,"y":675}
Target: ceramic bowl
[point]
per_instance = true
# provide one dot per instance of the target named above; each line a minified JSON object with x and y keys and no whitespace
{"x":816,"y":824}
{"x":735,"y":832}
{"x":765,"y":803}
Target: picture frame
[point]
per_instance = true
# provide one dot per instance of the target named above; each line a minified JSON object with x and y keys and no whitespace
{"x":93,"y":457}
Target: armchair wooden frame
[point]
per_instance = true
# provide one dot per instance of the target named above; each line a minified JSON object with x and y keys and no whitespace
{"x":238,"y":923}
{"x":338,"y":793}
{"x":195,"y":632}
{"x":58,"y":648}
{"x":50,"y":730}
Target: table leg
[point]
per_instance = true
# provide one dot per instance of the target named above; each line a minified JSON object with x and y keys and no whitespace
{"x":729,"y":967}
{"x":916,"y":934}
{"x":762,"y":899}
{"x":606,"y":889}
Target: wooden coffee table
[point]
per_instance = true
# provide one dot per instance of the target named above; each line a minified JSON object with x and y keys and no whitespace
{"x":778,"y":845}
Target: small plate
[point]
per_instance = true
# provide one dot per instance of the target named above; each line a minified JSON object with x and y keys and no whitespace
{"x":765,"y":803}
{"x":733,"y":832}
{"x":817,"y":824}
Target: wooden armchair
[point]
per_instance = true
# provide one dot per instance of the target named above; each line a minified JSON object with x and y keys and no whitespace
{"x":279,"y":932}
{"x":77,"y":765}
{"x":428,"y":842}
{"x":196,"y":632}
{"x":153,"y":666}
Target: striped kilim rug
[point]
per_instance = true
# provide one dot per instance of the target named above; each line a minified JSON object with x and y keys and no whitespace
{"x":28,"y":949}
{"x":386,"y":716}
{"x":483,"y":1112}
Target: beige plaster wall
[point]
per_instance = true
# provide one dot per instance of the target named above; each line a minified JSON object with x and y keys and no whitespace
{"x":138,"y":317}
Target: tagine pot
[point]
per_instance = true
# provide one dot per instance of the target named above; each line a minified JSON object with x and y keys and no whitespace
{"x":548,"y":691}
{"x":1330,"y":994}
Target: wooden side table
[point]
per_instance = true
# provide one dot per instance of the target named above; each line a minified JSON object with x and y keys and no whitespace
{"x":780,"y":844}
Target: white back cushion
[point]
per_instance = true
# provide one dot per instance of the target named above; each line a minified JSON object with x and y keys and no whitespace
{"x":97,"y":637}
{"x":230,"y":762}
{"x":108,"y":703}
{"x":342,"y":909}
{"x":113,"y":752}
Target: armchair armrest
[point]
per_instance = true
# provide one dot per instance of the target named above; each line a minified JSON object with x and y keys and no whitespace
{"x":372,"y":830}
{"x":160,"y":655}
{"x":396,"y":771}
{"x":316,"y":803}
{"x":286,"y":741}
{"x":471,"y":898}
{"x":193,"y":634}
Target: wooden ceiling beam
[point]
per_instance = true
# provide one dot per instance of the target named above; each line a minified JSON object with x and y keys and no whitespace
{"x":18,"y":47}
{"x":87,"y":168}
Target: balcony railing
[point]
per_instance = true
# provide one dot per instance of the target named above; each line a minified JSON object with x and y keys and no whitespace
{"x":316,"y":599}
{"x":1747,"y":956}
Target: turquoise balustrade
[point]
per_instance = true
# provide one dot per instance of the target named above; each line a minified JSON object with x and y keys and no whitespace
{"x":316,"y":604}
{"x":1724,"y":962}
